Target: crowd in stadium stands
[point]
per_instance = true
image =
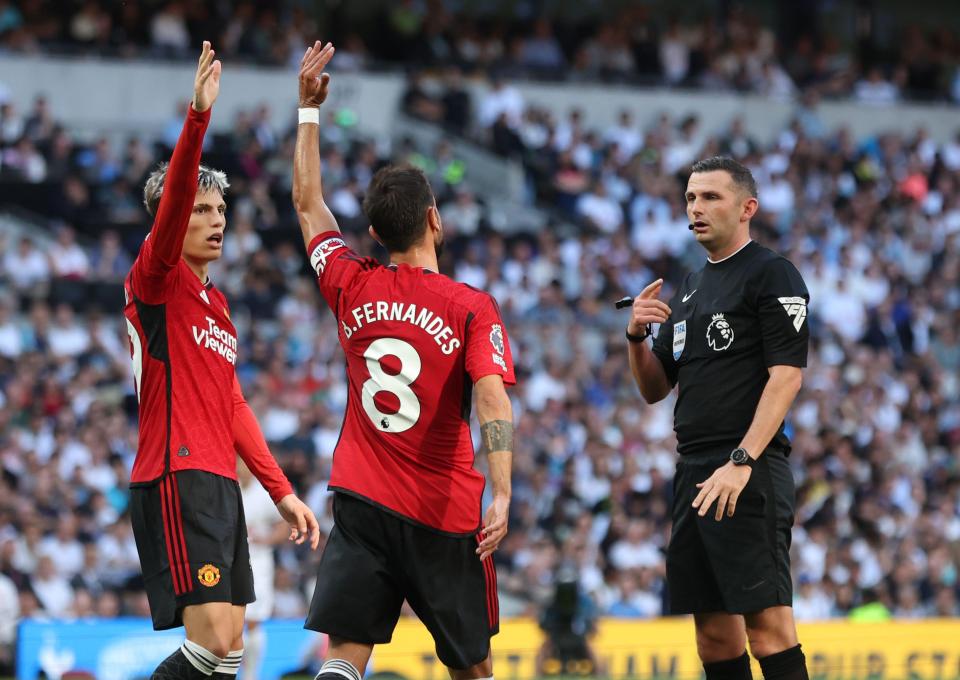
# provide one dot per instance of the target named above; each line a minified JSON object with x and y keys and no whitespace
{"x":734,"y":51}
{"x":876,"y":429}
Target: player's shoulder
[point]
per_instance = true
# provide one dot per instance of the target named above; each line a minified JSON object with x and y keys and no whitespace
{"x":467,"y":296}
{"x":324,"y":246}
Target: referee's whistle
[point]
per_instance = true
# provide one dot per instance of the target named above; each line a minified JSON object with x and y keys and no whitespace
{"x":624,"y":302}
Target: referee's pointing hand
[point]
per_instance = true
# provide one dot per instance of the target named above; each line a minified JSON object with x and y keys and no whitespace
{"x":723,"y":486}
{"x":648,"y":309}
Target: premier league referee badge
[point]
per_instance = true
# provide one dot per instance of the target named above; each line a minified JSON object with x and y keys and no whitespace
{"x":679,"y":338}
{"x":719,"y":333}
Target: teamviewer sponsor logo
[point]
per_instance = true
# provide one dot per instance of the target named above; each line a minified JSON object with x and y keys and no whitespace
{"x":217,"y":340}
{"x":318,"y":258}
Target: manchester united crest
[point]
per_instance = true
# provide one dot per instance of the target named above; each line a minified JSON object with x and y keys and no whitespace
{"x":209,"y":575}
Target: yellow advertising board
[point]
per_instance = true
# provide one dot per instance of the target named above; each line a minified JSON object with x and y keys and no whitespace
{"x":664,"y":648}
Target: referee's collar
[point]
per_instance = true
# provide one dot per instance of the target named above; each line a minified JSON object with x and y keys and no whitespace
{"x":733,"y":254}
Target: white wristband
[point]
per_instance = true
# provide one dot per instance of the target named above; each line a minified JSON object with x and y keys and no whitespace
{"x":308,"y":115}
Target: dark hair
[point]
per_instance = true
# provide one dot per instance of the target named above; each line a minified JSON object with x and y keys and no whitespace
{"x":396,"y":205}
{"x":739,"y":173}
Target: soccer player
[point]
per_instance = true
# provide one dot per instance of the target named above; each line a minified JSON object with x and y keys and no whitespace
{"x":418,"y":346}
{"x":734,"y":337}
{"x":184,"y":499}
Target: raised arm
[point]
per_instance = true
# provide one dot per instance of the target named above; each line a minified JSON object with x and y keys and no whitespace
{"x":180,"y":184}
{"x":496,"y":428}
{"x":646,"y":367}
{"x":312,"y":211}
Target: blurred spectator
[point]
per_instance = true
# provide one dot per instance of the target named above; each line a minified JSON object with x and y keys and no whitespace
{"x":875,"y":90}
{"x":11,"y":124}
{"x":541,"y":51}
{"x":501,"y":102}
{"x":27,"y":269}
{"x":168,"y":29}
{"x":52,"y":590}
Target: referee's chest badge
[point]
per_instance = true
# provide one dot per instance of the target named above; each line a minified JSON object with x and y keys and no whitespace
{"x":679,"y":338}
{"x":719,"y":333}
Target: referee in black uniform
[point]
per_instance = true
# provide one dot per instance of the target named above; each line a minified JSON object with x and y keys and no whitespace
{"x":735,"y":338}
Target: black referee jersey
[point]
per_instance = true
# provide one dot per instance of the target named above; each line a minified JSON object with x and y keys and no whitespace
{"x":730,"y":321}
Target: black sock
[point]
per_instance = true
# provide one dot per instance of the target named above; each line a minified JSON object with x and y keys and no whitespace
{"x":790,"y":664}
{"x":731,"y":669}
{"x":177,"y":667}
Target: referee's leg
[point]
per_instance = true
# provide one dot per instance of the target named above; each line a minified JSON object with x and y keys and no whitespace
{"x":773,"y":641}
{"x":722,"y":646}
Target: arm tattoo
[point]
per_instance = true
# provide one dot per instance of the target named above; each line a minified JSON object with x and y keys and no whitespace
{"x":497,"y":435}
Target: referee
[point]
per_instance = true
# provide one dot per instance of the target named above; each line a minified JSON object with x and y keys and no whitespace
{"x":735,"y":338}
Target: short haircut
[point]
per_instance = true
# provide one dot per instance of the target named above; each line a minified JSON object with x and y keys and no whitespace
{"x":207,"y":180}
{"x":396,"y":205}
{"x":739,"y":173}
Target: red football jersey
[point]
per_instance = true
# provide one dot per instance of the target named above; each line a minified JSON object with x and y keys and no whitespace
{"x":184,"y":348}
{"x":415,"y":343}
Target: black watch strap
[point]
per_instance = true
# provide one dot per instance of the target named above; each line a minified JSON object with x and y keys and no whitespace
{"x":647,"y":330}
{"x":739,"y":456}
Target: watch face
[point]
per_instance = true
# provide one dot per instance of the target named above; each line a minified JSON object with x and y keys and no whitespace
{"x":739,"y":456}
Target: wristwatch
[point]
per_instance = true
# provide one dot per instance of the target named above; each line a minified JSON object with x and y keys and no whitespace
{"x":647,"y":331}
{"x":739,"y":456}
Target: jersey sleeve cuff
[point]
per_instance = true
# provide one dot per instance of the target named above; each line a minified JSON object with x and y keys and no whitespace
{"x":277,"y":494}
{"x":780,"y":360}
{"x":508,"y":379}
{"x":201,"y":116}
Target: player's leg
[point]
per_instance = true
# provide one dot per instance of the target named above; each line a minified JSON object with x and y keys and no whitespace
{"x":357,"y":599}
{"x":230,"y":666}
{"x":345,"y":659}
{"x":482,"y":670}
{"x":201,"y":512}
{"x":156,"y":531}
{"x":462,"y":615}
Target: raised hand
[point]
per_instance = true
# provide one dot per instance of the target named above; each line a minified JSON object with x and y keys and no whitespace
{"x":313,"y":82}
{"x":206,"y":86}
{"x":648,"y":309}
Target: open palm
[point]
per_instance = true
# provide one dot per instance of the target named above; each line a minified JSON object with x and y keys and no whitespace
{"x":313,"y":82}
{"x":206,"y":86}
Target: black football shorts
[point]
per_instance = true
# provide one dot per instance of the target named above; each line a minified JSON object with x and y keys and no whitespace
{"x":374,"y":560}
{"x":740,"y":564}
{"x":192,"y":540}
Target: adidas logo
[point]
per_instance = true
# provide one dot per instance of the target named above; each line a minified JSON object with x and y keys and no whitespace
{"x":796,"y":309}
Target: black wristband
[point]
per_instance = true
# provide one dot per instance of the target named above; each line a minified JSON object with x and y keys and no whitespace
{"x":647,"y":331}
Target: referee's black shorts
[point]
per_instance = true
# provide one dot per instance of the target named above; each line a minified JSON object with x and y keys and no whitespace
{"x":192,"y":540}
{"x":374,"y":560}
{"x":740,"y":564}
